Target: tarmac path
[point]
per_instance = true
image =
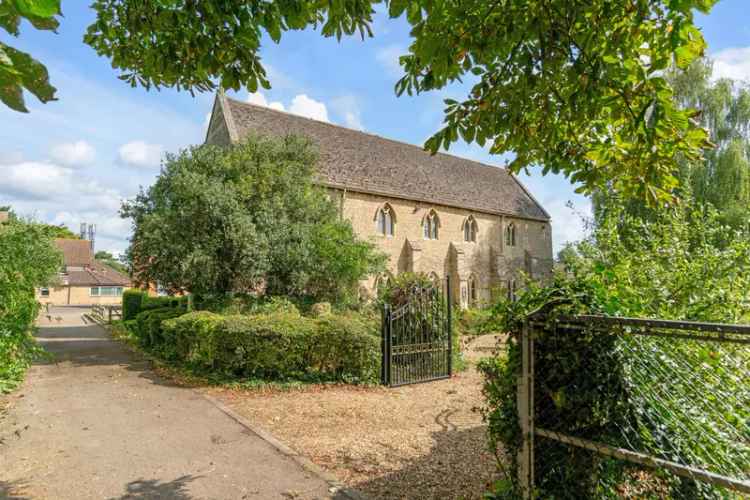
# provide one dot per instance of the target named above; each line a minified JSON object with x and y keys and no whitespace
{"x":97,"y":423}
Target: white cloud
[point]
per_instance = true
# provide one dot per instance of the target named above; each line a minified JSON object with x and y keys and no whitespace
{"x":306,"y":106}
{"x":73,"y":154}
{"x":567,"y":223}
{"x":352,"y":120}
{"x":140,"y":154}
{"x":60,"y":195}
{"x":732,"y":63}
{"x":388,"y":58}
{"x":9,"y":157}
{"x":347,"y":107}
{"x":259,"y":99}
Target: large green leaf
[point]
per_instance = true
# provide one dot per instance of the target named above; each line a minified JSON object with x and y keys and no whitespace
{"x":19,"y":71}
{"x":37,"y":8}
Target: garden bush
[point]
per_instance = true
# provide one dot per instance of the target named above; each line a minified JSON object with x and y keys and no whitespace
{"x":149,"y":325}
{"x":28,"y":260}
{"x":277,"y":345}
{"x":345,"y":347}
{"x":653,"y":395}
{"x":132,"y":301}
{"x":161,"y":302}
{"x":473,"y":321}
{"x":268,"y":346}
{"x":189,"y":336}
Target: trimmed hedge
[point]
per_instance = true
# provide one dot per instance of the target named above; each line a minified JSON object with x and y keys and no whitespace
{"x":279,"y":345}
{"x":149,"y":325}
{"x":162,"y":302}
{"x":132,"y":302}
{"x":346,"y":347}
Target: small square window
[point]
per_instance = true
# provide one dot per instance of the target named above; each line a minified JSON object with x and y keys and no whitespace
{"x":94,"y":292}
{"x":44,"y":292}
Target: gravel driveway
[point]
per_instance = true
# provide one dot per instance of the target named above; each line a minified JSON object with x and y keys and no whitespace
{"x":98,"y":423}
{"x":424,"y":441}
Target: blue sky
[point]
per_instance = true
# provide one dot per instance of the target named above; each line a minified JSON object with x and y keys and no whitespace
{"x":75,"y":159}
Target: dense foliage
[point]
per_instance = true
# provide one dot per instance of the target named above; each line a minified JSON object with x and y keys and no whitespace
{"x":18,"y":70}
{"x":575,"y":86}
{"x":28,"y":260}
{"x":132,"y":300}
{"x":110,"y":260}
{"x":246,"y":219}
{"x":722,"y":177}
{"x":276,"y":343}
{"x":650,"y":394}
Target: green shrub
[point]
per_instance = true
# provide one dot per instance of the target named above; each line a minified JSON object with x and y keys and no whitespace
{"x":132,"y":301}
{"x":473,"y":321}
{"x":161,"y":302}
{"x":149,"y":325}
{"x":189,"y":336}
{"x":320,"y":309}
{"x":397,"y":291}
{"x":345,"y":348}
{"x":279,"y":345}
{"x":270,"y":346}
{"x":28,"y":259}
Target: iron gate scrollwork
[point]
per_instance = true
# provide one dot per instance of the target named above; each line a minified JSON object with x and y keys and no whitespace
{"x":416,"y":337}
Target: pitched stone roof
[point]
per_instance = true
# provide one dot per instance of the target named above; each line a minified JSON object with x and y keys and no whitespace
{"x":97,"y":274}
{"x":76,"y":253}
{"x":368,"y":163}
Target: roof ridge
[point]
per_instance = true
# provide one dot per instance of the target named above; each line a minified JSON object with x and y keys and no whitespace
{"x":363,"y":132}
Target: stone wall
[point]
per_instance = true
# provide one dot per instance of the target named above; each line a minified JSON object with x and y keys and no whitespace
{"x":489,"y":261}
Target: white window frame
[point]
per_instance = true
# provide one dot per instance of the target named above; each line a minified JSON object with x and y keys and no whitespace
{"x":96,"y":291}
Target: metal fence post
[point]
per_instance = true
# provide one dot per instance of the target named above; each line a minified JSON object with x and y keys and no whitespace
{"x":450,"y":323}
{"x":109,"y":315}
{"x":525,"y":401}
{"x":385,"y":364}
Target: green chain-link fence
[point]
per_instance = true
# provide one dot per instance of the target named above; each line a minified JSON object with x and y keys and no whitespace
{"x":655,"y":409}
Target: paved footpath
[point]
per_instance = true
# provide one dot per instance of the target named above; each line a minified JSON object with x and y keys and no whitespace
{"x":97,"y":423}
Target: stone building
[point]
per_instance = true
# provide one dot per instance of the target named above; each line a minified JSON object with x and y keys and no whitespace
{"x":83,"y":280}
{"x":435,"y":214}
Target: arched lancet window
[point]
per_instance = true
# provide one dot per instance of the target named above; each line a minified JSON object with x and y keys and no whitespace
{"x":470,"y":229}
{"x":385,"y":221}
{"x":430,"y":225}
{"x":510,"y":235}
{"x":472,"y":286}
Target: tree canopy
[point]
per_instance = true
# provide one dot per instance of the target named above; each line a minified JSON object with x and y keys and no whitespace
{"x":577,"y":86}
{"x":110,"y":260}
{"x":243,"y":219}
{"x":722,"y":177}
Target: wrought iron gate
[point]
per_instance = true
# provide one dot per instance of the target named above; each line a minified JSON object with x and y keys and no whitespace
{"x":416,"y":337}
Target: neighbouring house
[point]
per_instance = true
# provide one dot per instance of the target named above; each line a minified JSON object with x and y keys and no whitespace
{"x":4,"y":217}
{"x":83,"y":280}
{"x":435,"y":214}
